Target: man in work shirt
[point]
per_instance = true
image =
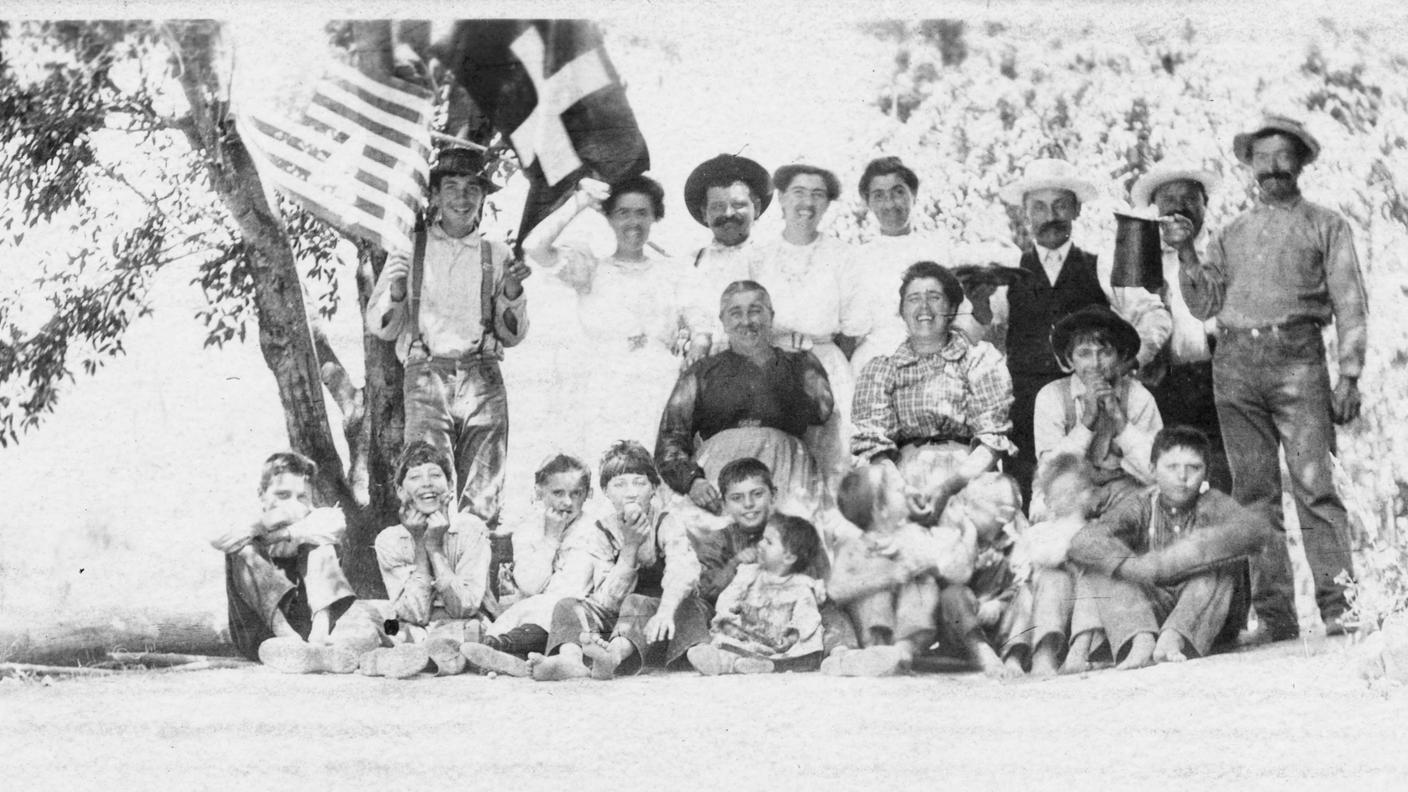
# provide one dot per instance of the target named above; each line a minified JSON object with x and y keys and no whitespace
{"x":1273,"y":278}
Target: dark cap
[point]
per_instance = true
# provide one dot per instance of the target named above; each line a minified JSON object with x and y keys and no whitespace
{"x":463,"y":162}
{"x":1093,"y":317}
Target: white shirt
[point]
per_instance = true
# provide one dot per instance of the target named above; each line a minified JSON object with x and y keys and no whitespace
{"x":1053,"y":259}
{"x":817,"y":289}
{"x":1189,"y":341}
{"x":718,"y":265}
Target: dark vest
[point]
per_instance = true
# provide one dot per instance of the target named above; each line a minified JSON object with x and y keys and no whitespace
{"x":1035,"y":305}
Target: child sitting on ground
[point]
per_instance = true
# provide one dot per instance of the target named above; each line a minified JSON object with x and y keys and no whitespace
{"x":557,"y":553}
{"x":1100,"y":412}
{"x":982,"y":613}
{"x":769,"y":617}
{"x":1053,"y":592}
{"x":886,"y":579}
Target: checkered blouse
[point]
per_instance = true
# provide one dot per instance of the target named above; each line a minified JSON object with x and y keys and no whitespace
{"x":961,"y":392}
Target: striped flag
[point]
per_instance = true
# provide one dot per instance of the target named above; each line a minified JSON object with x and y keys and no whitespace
{"x":355,"y":153}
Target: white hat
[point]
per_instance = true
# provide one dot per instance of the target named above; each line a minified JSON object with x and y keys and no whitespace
{"x":1142,"y":193}
{"x":1048,"y":174}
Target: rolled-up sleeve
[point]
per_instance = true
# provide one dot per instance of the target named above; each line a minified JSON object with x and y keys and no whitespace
{"x":1140,"y":307}
{"x":510,"y":316}
{"x":386,"y":316}
{"x":1204,"y":282}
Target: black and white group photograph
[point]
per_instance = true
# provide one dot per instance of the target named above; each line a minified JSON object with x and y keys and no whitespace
{"x":723,"y":395}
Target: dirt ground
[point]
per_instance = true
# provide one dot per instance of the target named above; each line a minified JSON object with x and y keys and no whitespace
{"x":1286,"y":716}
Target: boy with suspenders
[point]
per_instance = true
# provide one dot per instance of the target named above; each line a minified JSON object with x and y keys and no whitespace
{"x":451,"y":307}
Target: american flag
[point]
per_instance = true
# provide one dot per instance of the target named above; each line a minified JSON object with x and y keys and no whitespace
{"x":356,"y":153}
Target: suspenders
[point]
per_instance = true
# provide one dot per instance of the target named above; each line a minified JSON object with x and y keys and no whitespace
{"x":486,"y":291}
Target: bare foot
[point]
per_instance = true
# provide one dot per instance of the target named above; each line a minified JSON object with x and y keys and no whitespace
{"x":606,"y":657}
{"x":565,"y":665}
{"x":1044,"y":664}
{"x":1141,"y":652}
{"x":991,"y":664}
{"x":1078,"y":656}
{"x":1169,"y":648}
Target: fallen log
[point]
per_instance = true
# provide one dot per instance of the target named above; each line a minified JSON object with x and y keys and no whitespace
{"x":176,"y":660}
{"x":18,"y":669}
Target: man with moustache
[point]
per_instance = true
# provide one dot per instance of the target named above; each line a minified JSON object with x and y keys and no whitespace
{"x":726,"y":194}
{"x":1180,"y":376}
{"x":1062,"y":279}
{"x":1273,"y":278}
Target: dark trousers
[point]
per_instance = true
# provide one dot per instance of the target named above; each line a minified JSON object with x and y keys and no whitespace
{"x":1273,"y":392}
{"x":1185,"y":398}
{"x":1022,"y":466}
{"x":257,"y":585}
{"x":521,"y":640}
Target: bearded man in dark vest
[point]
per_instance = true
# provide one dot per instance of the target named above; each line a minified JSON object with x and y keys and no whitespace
{"x":1061,"y":278}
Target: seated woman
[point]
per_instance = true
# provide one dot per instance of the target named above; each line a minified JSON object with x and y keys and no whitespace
{"x":637,"y":313}
{"x":939,"y":404}
{"x":750,"y":400}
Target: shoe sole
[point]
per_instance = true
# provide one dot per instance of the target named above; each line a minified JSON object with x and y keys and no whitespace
{"x":491,"y":661}
{"x":861,"y":663}
{"x":707,"y":660}
{"x":445,"y":654}
{"x":400,"y":662}
{"x":294,"y":656}
{"x":753,"y":665}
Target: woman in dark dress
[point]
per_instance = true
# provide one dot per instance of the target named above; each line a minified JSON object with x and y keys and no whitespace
{"x":751,"y":400}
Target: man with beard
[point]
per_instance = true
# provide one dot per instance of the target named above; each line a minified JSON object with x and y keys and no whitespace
{"x":726,"y":194}
{"x":1273,"y":278}
{"x":1062,"y":279}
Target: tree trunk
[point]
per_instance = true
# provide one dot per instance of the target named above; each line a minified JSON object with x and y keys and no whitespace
{"x":384,"y":420}
{"x":285,"y":337}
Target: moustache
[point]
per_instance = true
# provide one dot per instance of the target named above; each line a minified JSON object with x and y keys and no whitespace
{"x":720,"y":222}
{"x":1054,"y":225}
{"x":1270,"y":175}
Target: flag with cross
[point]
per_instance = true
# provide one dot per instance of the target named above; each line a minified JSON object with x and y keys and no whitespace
{"x":551,"y":91}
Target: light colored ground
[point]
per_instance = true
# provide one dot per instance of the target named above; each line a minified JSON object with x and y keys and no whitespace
{"x":1272,"y":718}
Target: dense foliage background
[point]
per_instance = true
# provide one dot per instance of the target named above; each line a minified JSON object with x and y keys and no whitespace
{"x":118,"y":240}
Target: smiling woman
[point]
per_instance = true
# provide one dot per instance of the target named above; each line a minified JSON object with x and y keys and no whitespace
{"x":940,"y":404}
{"x":637,"y":313}
{"x":751,"y":400}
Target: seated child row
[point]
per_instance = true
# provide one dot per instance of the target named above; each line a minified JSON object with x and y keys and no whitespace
{"x":863,"y":589}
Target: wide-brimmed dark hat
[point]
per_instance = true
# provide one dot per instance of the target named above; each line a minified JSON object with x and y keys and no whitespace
{"x":723,"y":170}
{"x":463,"y":162}
{"x":1242,"y":143}
{"x":1093,"y":317}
